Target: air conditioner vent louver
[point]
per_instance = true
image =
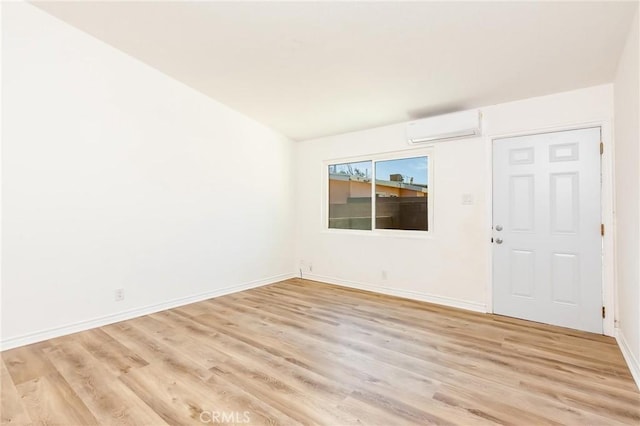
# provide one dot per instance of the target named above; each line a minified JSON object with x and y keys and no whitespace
{"x":458,"y":125}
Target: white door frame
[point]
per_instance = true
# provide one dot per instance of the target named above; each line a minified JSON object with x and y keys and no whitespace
{"x":606,"y":209}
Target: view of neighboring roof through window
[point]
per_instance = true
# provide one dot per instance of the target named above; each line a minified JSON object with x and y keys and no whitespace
{"x":401,"y":189}
{"x":350,"y":195}
{"x":402,"y":194}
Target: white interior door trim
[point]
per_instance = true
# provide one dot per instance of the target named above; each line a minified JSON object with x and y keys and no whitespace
{"x":608,"y":267}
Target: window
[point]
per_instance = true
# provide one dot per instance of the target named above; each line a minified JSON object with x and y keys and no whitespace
{"x":350,"y":195}
{"x":401,"y":194}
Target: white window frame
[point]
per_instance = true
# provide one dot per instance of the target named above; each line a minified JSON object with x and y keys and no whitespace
{"x":374,"y":158}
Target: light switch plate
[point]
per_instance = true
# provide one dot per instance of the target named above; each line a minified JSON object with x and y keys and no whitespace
{"x":467,"y":199}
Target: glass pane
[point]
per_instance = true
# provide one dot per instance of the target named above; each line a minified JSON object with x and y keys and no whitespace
{"x":350,"y":195}
{"x":402,"y":193}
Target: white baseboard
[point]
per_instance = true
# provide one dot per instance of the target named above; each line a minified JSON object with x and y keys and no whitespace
{"x":407,"y":294}
{"x":632,"y":361}
{"x":51,"y":333}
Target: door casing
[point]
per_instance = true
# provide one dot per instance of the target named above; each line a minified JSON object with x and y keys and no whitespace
{"x":606,"y":210}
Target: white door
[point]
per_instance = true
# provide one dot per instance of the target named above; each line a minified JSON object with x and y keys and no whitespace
{"x":547,"y":249}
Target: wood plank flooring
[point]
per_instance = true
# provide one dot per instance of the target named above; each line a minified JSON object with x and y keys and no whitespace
{"x":302,"y":352}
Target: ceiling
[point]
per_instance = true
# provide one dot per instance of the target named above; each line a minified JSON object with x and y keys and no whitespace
{"x":310,"y":69}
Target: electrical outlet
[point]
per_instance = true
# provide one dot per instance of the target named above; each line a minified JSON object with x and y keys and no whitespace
{"x":119,"y":295}
{"x":384,"y":275}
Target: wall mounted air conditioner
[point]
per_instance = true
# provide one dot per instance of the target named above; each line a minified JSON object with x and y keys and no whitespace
{"x":458,"y":125}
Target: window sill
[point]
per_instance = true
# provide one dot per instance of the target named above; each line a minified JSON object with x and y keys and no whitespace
{"x":381,"y":233}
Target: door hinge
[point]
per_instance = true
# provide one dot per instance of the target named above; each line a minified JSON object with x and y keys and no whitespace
{"x":602,"y":229}
{"x":601,"y":148}
{"x":604,"y":312}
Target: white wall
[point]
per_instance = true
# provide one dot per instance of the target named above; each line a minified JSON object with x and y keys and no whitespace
{"x":451,"y":265}
{"x":116,"y":176}
{"x":627,"y":211}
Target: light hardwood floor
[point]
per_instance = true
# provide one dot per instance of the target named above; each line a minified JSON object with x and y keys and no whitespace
{"x":301,"y":352}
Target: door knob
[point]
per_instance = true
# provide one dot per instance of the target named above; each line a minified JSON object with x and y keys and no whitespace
{"x":498,"y":227}
{"x":498,"y":240}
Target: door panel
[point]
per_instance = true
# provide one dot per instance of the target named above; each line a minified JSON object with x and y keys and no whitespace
{"x":565,"y":277}
{"x":564,"y":203}
{"x":547,"y":255}
{"x":522,"y":273}
{"x":521,"y":203}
